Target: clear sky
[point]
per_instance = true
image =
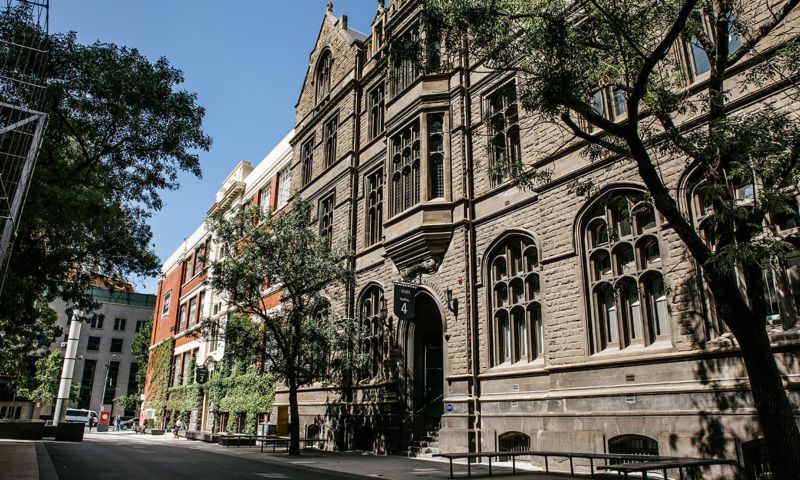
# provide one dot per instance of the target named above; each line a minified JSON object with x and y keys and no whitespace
{"x":245,"y":59}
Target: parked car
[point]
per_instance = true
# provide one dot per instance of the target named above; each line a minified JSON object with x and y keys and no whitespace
{"x":130,"y":424}
{"x":80,"y":415}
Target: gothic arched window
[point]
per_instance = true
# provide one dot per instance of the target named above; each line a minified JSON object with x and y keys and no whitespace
{"x":371,"y":320}
{"x":628,"y":303}
{"x":322,"y":76}
{"x":515,"y":301}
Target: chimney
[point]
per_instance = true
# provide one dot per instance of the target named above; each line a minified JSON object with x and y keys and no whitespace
{"x":343,"y":22}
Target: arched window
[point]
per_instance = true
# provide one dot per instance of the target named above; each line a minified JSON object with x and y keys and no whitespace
{"x":322,"y":76}
{"x":515,"y":297}
{"x":627,"y":297}
{"x":633,"y":445}
{"x":781,"y":283}
{"x":513,"y":442}
{"x":372,"y":340}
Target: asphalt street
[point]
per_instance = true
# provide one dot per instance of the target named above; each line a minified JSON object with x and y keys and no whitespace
{"x":124,"y":457}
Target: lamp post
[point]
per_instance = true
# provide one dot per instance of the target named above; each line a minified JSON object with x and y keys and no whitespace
{"x":105,"y":384}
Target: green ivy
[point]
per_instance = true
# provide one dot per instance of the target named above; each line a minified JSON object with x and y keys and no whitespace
{"x":184,"y":398}
{"x":250,"y":393}
{"x":160,"y":364}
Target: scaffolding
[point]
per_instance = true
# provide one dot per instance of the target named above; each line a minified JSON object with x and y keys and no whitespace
{"x":23,"y":69}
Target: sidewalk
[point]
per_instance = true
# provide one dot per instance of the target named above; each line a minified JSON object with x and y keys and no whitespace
{"x":18,"y":460}
{"x":358,"y":464}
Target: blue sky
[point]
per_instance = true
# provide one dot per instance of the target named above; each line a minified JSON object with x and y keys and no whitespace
{"x":244,"y":58}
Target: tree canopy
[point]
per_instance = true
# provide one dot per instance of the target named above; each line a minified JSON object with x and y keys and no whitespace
{"x":297,"y":341}
{"x":120,"y":130}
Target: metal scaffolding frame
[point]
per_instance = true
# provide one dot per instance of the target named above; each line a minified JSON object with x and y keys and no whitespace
{"x":23,"y":68}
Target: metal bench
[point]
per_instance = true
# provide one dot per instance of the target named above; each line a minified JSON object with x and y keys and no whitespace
{"x":663,"y":466}
{"x":636,"y":459}
{"x":284,"y":442}
{"x":238,"y":437}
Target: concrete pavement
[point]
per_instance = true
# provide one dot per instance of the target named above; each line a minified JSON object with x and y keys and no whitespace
{"x":128,"y":456}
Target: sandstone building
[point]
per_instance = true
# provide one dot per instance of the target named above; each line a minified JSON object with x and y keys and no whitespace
{"x":519,"y":337}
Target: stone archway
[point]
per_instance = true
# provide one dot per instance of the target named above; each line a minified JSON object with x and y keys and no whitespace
{"x":425,"y":364}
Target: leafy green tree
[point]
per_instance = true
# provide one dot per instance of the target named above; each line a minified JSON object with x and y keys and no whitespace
{"x":563,"y":52}
{"x":140,"y":348}
{"x":120,"y":130}
{"x":43,"y":386}
{"x":296,"y":341}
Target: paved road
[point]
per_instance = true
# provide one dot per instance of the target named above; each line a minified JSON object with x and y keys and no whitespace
{"x":130,"y":458}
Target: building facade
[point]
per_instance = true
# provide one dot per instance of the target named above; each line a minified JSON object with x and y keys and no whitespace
{"x":189,"y":314}
{"x":518,"y":338}
{"x":490,"y":314}
{"x":105,"y":368}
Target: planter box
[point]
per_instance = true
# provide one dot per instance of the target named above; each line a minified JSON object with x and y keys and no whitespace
{"x":70,"y":432}
{"x":17,"y":430}
{"x":236,"y":441}
{"x":153,"y":431}
{"x":50,"y":431}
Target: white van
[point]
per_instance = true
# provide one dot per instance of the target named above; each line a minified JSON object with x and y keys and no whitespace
{"x":83,"y":416}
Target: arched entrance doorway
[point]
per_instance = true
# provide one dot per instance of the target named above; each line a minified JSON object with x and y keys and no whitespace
{"x":425,"y":363}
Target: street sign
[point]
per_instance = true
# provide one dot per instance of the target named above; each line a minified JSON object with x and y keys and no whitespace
{"x":105,"y":417}
{"x":449,"y":408}
{"x":404,"y":303}
{"x":201,"y":375}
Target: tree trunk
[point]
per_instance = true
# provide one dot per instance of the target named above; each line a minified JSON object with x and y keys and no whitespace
{"x":294,"y":420}
{"x":772,"y":404}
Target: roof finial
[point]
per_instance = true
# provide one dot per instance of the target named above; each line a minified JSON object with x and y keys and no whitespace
{"x":381,"y":5}
{"x":330,"y":6}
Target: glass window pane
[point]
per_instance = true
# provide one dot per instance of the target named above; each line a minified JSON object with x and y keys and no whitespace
{"x":699,"y":57}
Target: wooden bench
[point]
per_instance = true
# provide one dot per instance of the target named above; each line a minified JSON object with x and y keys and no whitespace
{"x":663,"y":466}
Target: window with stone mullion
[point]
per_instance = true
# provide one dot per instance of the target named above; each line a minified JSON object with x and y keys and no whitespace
{"x":372,"y":331}
{"x":374,"y":224}
{"x":376,"y":109}
{"x":436,"y":154}
{"x":331,"y":133}
{"x":503,"y":121}
{"x":515,"y":302}
{"x":307,"y":159}
{"x":627,"y":294}
{"x":326,"y":219}
{"x":406,"y":166}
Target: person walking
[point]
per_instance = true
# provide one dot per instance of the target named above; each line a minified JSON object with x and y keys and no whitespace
{"x":176,"y":428}
{"x":117,"y":422}
{"x":91,"y":422}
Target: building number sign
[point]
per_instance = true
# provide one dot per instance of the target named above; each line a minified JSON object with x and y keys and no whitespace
{"x":404,"y":302}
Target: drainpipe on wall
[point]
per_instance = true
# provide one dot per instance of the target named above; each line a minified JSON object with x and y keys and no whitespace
{"x":472,"y":303}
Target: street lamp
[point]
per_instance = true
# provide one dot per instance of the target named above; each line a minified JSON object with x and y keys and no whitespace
{"x":105,"y":384}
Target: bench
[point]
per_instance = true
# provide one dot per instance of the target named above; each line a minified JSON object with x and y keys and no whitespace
{"x":284,"y":442}
{"x":237,"y":438}
{"x":664,"y":465}
{"x":638,"y":459}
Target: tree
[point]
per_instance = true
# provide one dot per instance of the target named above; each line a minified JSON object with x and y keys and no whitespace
{"x":119,"y":131}
{"x":140,"y":348}
{"x":296,"y":340}
{"x":43,"y":387}
{"x":563,"y":52}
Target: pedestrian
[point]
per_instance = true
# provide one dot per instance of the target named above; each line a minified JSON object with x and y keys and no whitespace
{"x":176,"y":428}
{"x":91,"y":422}
{"x":117,"y":422}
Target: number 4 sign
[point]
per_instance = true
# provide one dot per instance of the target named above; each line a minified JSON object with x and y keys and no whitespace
{"x":404,"y":301}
